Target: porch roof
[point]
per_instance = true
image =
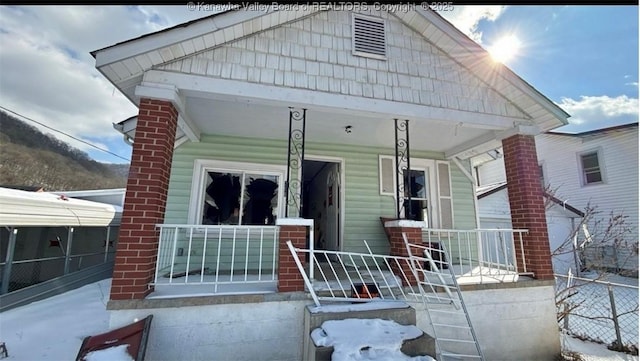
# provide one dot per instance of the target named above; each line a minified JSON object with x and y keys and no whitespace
{"x":135,"y":64}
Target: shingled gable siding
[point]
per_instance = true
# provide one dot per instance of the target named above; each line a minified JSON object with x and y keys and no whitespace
{"x":145,"y":200}
{"x":363,"y":202}
{"x":316,"y":53}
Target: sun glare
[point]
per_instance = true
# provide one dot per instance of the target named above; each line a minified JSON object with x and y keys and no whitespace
{"x":505,"y":48}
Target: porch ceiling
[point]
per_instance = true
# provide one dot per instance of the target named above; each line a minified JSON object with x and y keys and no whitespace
{"x":235,"y":108}
{"x":245,"y":118}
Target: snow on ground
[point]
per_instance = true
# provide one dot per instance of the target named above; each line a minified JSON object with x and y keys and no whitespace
{"x":591,"y":351}
{"x":366,"y":339}
{"x":53,"y":329}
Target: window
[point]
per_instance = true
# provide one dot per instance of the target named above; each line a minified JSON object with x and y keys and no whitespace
{"x":591,"y":168}
{"x":541,"y":170}
{"x":445,"y":195}
{"x":368,"y":37}
{"x":430,"y":181}
{"x":418,"y":180}
{"x":235,"y":193}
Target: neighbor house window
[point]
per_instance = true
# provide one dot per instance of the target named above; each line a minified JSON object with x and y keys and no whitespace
{"x":591,"y":168}
{"x":369,"y":37}
{"x":235,"y":193}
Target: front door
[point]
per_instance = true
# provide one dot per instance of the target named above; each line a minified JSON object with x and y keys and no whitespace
{"x":322,"y":203}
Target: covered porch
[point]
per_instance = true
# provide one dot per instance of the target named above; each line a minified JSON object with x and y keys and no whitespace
{"x":200,"y":258}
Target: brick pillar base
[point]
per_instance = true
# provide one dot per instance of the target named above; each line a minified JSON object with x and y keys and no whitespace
{"x":145,"y":200}
{"x":527,"y":204}
{"x":413,"y":231}
{"x":294,"y":230}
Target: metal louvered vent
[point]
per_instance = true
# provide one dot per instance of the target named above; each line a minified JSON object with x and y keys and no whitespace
{"x":369,"y":37}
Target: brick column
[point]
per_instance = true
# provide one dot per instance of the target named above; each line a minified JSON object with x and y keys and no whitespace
{"x":294,"y":230}
{"x":527,"y":204}
{"x":413,"y":231}
{"x":145,"y":200}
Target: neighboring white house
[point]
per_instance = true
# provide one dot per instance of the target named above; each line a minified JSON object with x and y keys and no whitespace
{"x":595,"y":168}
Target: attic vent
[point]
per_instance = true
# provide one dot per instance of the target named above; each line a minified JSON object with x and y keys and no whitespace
{"x":369,"y":37}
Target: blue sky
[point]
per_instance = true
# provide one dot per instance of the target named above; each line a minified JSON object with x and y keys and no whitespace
{"x":584,"y":58}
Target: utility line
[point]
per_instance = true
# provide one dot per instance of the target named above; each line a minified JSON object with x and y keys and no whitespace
{"x":68,"y":135}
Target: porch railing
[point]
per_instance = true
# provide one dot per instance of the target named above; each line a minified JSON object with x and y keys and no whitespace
{"x":357,"y":277}
{"x":218,"y":255}
{"x":480,"y":255}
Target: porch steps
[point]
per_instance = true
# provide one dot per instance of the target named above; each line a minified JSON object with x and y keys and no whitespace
{"x":447,"y":314}
{"x":399,"y":312}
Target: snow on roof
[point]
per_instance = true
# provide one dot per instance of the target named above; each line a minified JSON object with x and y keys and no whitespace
{"x":20,"y":208}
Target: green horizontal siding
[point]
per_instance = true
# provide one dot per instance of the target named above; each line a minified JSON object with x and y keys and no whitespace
{"x":363,"y":203}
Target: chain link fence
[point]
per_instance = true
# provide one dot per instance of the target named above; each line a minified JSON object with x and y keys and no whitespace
{"x":39,"y":254}
{"x":612,"y":258}
{"x":599,"y":311}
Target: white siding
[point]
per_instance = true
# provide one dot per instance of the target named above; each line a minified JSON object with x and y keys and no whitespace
{"x":316,"y":53}
{"x":559,"y":156}
{"x":619,"y":192}
{"x":491,"y":172}
{"x":495,"y":206}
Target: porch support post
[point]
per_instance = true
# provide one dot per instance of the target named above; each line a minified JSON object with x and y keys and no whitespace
{"x":67,"y":254}
{"x":403,"y":163}
{"x":413,"y":231}
{"x":527,"y":204}
{"x":294,"y":230}
{"x":295,"y":162}
{"x":8,"y":261}
{"x":145,"y":200}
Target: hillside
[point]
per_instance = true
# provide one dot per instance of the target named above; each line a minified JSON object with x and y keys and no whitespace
{"x":29,"y":157}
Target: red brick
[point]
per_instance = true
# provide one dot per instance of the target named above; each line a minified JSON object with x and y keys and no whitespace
{"x":527,"y":204}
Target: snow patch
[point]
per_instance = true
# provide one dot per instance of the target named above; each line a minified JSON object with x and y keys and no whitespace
{"x":116,"y":353}
{"x":366,"y":339}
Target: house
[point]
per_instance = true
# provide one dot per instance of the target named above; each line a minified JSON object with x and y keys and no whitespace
{"x":593,"y":168}
{"x":562,"y":219}
{"x":310,"y":125}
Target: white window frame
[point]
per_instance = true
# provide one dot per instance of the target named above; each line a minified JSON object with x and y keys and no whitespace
{"x":601,"y":168}
{"x":430,"y":167}
{"x":440,"y":196}
{"x":201,"y":167}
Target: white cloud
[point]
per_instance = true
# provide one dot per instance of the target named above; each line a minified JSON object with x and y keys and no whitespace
{"x":594,"y":112}
{"x":48,"y":74}
{"x":467,"y":18}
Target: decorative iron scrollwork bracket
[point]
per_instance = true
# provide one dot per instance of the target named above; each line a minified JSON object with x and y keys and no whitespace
{"x":295,"y":161}
{"x":403,"y":166}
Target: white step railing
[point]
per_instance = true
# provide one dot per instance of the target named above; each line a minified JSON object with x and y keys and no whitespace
{"x":481,"y":255}
{"x":357,"y":277}
{"x":216,"y":255}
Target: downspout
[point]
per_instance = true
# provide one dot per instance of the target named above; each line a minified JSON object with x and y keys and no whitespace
{"x":473,"y":187}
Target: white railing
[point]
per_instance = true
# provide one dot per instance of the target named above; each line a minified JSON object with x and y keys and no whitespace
{"x":220,"y":256}
{"x":357,"y":277}
{"x":480,"y":255}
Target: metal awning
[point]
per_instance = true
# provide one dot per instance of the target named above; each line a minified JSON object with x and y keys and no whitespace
{"x":20,"y":208}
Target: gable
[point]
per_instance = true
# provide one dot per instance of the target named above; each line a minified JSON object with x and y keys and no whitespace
{"x":315,"y":53}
